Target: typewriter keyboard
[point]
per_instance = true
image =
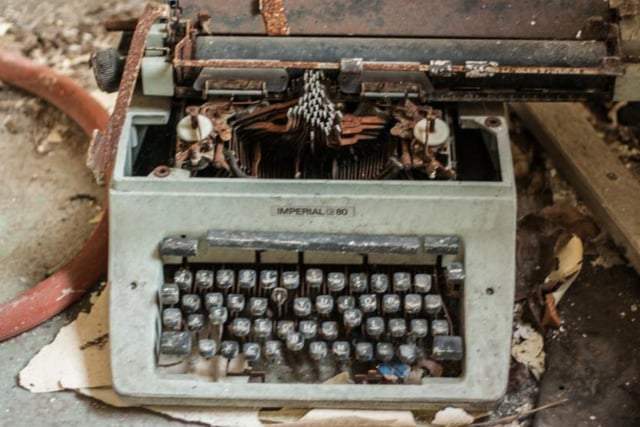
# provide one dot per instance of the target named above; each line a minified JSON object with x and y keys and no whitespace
{"x":377,"y":322}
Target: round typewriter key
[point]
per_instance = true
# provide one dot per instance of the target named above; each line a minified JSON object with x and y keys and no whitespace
{"x":341,"y":350}
{"x":225,"y":278}
{"x":240,"y":327}
{"x":364,"y":351}
{"x":384,"y":351}
{"x":379,"y":283}
{"x":439,"y":327}
{"x":170,"y":294}
{"x":324,"y":304}
{"x":432,"y":303}
{"x":273,"y":349}
{"x":336,"y":282}
{"x":401,"y":282}
{"x":329,"y":330}
{"x":283,"y":327}
{"x":422,"y":283}
{"x":295,"y":341}
{"x":184,"y":279}
{"x":268,"y":279}
{"x":374,"y":326}
{"x":358,"y":282}
{"x":397,"y":328}
{"x":258,"y":306}
{"x":207,"y":348}
{"x":175,"y":343}
{"x":368,"y":303}
{"x":290,"y":280}
{"x":262,"y":328}
{"x":172,"y":319}
{"x":229,"y":349}
{"x":407,"y":353}
{"x":318,"y":350}
{"x":345,"y":302}
{"x":390,"y":303}
{"x":352,"y":317}
{"x":302,"y":306}
{"x":419,"y":328}
{"x":218,"y":315}
{"x":308,"y":329}
{"x":235,"y":303}
{"x":190,"y":303}
{"x":213,"y":299}
{"x":195,"y":322}
{"x":247,"y":279}
{"x":279,"y":296}
{"x":251,"y":351}
{"x":313,"y":277}
{"x":412,"y":303}
{"x":204,"y":279}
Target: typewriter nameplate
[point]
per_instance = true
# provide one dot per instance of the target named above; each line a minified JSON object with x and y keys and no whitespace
{"x":313,"y":211}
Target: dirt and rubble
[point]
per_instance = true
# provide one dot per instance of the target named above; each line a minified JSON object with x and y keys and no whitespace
{"x":591,"y":360}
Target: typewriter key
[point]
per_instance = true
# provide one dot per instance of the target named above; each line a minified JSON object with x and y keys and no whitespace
{"x":336,"y":282}
{"x":283,"y":327}
{"x":324,"y":304}
{"x":358,"y":282}
{"x":439,"y":327}
{"x":190,"y":303}
{"x":229,"y":349}
{"x":412,"y":304}
{"x":195,"y":322}
{"x":240,"y":327}
{"x":379,"y":283}
{"x":397,"y":328}
{"x":401,"y":282}
{"x":384,"y":351}
{"x":313,"y":277}
{"x":268,"y":279}
{"x":262,"y":328}
{"x":345,"y":302}
{"x":258,"y":306}
{"x":235,"y":303}
{"x":302,"y":306}
{"x":318,"y":350}
{"x":172,"y":319}
{"x":390,"y":303}
{"x":170,"y":294}
{"x":374,"y":326}
{"x":204,"y":280}
{"x":175,"y":343}
{"x":251,"y":351}
{"x":447,"y":348}
{"x":295,"y":341}
{"x":225,"y":278}
{"x":419,"y":328}
{"x":184,"y":279}
{"x":407,"y":353}
{"x":290,"y":280}
{"x":207,"y":348}
{"x":213,"y":299}
{"x":273,"y":350}
{"x":422,"y":283}
{"x":308,"y":329}
{"x":247,"y":279}
{"x":329,"y":330}
{"x":352,"y":317}
{"x":368,"y":303}
{"x":364,"y":352}
{"x":432,"y":303}
{"x":218,"y":315}
{"x":341,"y":350}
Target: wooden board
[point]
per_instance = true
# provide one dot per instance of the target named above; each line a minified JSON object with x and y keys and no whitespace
{"x":582,"y":158}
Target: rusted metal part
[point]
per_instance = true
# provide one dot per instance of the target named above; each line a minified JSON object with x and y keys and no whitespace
{"x":104,"y":154}
{"x":275,"y":17}
{"x":121,"y":24}
{"x":499,"y":19}
{"x":397,"y":66}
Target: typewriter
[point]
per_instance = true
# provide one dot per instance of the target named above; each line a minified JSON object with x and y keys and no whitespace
{"x":305,"y":191}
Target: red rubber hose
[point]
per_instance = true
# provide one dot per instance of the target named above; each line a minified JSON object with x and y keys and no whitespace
{"x":72,"y":280}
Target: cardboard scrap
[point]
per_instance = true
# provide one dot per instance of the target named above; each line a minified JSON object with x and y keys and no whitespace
{"x":452,"y":417}
{"x":528,"y":348}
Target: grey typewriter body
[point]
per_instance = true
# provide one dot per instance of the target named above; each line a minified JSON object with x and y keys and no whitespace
{"x":287,"y":208}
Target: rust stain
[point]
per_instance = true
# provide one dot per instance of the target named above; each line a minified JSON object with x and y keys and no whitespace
{"x":275,"y":18}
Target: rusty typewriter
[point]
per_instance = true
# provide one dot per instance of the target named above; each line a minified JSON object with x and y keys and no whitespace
{"x":307,"y":189}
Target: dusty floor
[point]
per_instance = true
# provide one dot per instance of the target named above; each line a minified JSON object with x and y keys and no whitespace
{"x":48,"y":205}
